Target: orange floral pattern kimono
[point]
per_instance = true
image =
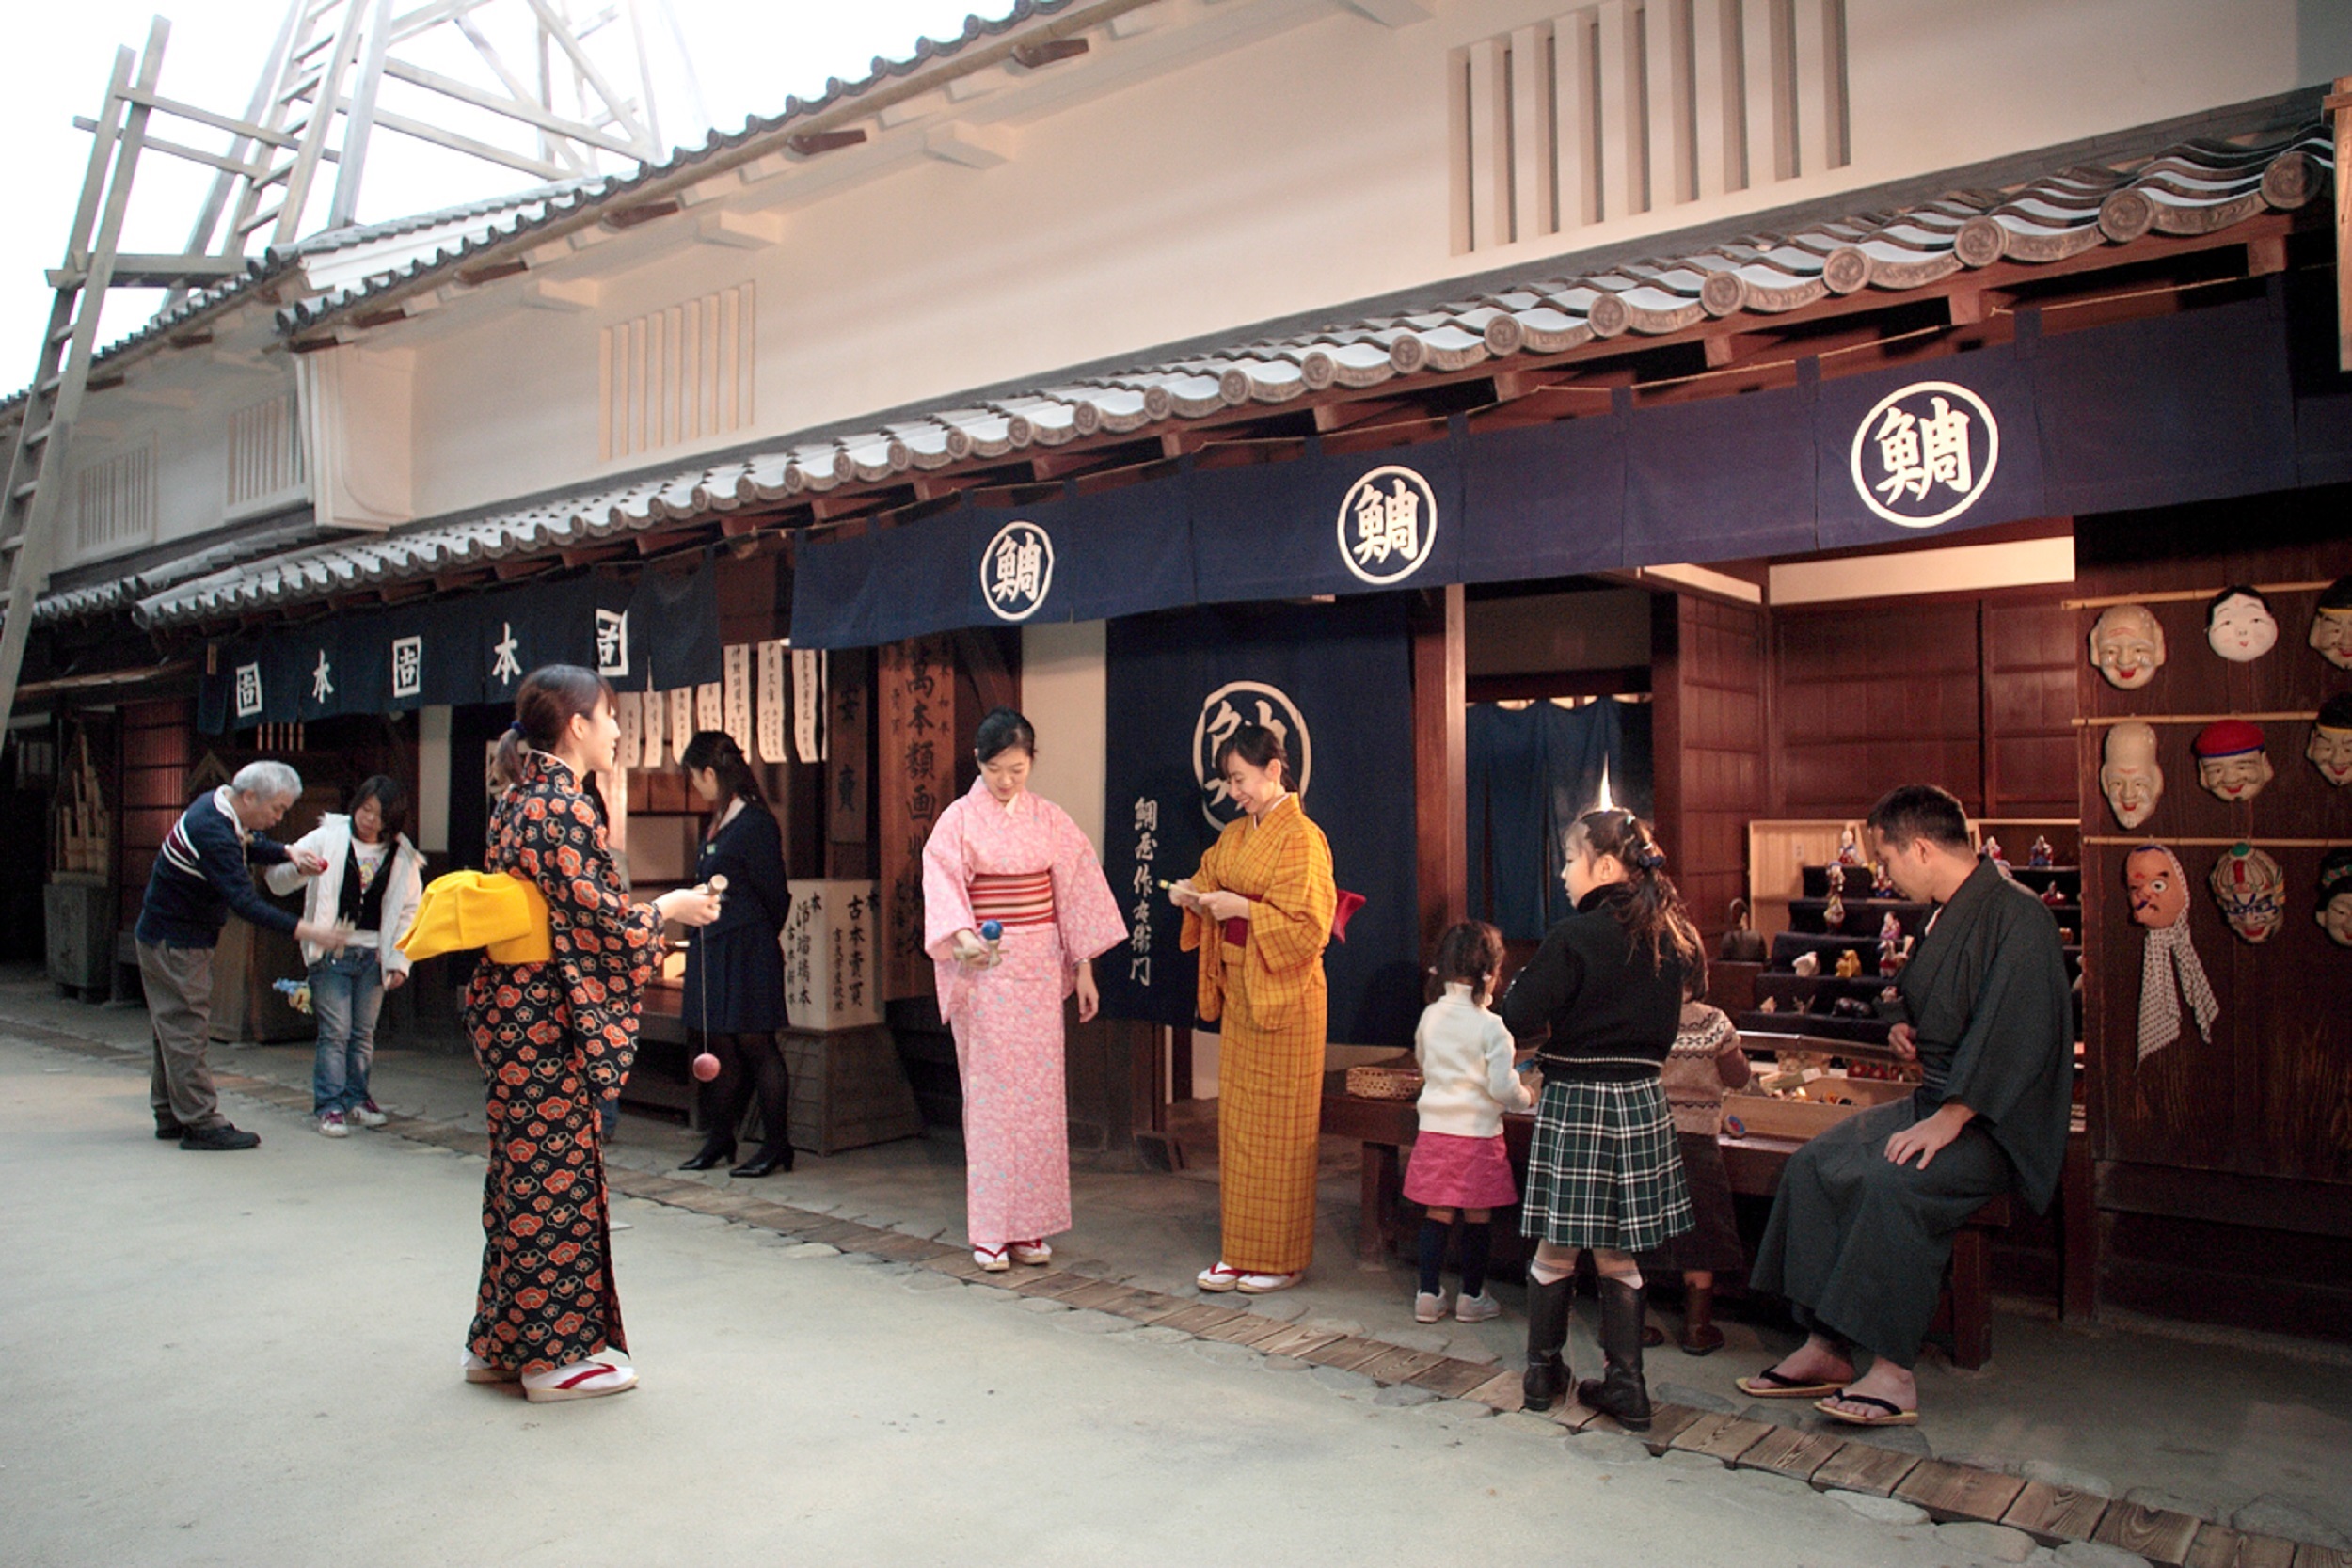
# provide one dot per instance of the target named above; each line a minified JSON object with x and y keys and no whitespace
{"x":1268,"y":995}
{"x":554,"y":1039}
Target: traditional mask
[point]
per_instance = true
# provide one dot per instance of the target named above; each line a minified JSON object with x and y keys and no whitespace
{"x":2170,"y":972}
{"x":2251,"y":890}
{"x":2159,"y":892}
{"x":2130,"y":778}
{"x":2127,"y":645}
{"x":2330,"y":747}
{"x":2331,"y":623}
{"x":2239,"y":624}
{"x":2335,"y":897}
{"x":2230,"y":762}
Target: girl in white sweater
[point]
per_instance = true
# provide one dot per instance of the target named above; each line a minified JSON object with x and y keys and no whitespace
{"x":1460,"y":1163}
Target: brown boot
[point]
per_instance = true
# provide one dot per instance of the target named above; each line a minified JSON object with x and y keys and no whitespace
{"x":1700,"y":1336}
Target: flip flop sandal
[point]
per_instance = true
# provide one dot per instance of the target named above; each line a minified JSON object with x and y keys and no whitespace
{"x":1771,"y":1384}
{"x":1895,"y":1415}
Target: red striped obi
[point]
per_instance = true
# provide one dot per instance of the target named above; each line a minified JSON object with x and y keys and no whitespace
{"x":1022,"y":899}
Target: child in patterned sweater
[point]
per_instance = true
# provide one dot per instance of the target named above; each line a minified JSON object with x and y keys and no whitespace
{"x":1458,"y":1159}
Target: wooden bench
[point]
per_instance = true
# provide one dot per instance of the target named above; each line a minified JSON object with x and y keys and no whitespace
{"x":1753,"y":1164}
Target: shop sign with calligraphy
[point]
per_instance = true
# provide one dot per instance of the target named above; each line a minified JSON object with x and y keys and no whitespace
{"x":917,"y":750}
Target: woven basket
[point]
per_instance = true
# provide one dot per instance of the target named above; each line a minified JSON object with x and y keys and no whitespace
{"x":1384,"y":1082}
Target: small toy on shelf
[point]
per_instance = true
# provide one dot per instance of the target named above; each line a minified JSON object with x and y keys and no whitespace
{"x":2054,"y":895}
{"x":1769,"y":1004}
{"x":1890,"y":929}
{"x":2038,"y":853}
{"x":1849,"y":965}
{"x":1882,"y":884}
{"x":1993,"y":852}
{"x":1834,"y":913}
{"x":1849,"y":847}
{"x":1806,"y":964}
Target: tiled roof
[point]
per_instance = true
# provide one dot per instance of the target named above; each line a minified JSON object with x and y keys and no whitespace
{"x":2192,"y":188}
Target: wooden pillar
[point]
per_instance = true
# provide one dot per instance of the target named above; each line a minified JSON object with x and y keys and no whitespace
{"x":2339,"y":107}
{"x":849,"y":764}
{"x":914,"y":779}
{"x":1440,"y":818}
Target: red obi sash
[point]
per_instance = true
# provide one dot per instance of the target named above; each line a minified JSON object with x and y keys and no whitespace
{"x":1344,"y":909}
{"x":1023,"y":898}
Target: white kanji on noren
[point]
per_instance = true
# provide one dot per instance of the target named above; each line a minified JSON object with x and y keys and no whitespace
{"x":611,"y":642}
{"x":1017,"y":570}
{"x":322,"y":680}
{"x":1933,"y":445}
{"x":506,"y":669}
{"x":1387,"y":524}
{"x":248,"y":691}
{"x":407,"y":666}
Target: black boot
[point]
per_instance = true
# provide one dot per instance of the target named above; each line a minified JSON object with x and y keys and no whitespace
{"x":715,"y":1151}
{"x":1619,"y":1391}
{"x":1546,"y":1376}
{"x":771,"y":1158}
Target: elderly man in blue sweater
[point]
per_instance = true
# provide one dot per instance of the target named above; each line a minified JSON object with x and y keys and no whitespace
{"x":202,"y":874}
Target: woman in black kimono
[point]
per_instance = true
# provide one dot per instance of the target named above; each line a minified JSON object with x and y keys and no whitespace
{"x":1863,"y":1224}
{"x":554,"y":1037}
{"x":734,"y":999}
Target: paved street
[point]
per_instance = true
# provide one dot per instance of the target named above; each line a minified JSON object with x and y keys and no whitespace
{"x":251,"y":1358}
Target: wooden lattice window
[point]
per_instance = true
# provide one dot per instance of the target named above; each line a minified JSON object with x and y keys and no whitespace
{"x":677,"y":374}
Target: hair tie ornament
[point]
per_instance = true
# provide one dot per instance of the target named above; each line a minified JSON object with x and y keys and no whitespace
{"x":515,"y":728}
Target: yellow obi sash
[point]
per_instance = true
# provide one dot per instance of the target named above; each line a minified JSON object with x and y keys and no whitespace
{"x":505,"y":916}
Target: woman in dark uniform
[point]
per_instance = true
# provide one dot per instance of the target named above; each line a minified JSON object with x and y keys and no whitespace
{"x":734,"y":999}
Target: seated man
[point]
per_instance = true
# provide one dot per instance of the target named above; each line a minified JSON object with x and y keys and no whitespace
{"x":202,"y":874}
{"x":1861,"y":1227}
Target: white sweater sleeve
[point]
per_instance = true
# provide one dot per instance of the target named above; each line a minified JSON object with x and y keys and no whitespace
{"x":1501,"y":1081}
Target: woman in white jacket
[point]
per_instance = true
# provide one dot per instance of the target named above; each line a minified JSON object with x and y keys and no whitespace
{"x":370,"y":884}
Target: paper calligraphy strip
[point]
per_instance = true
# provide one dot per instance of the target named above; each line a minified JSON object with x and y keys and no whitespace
{"x":770,"y":723}
{"x":737,"y":686}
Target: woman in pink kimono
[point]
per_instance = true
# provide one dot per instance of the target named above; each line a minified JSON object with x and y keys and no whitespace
{"x":1001,"y":857}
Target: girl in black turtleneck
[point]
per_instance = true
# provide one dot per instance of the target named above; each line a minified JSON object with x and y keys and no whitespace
{"x":1604,"y":1171}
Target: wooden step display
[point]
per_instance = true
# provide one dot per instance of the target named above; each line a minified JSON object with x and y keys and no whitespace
{"x":849,"y":1089}
{"x":81,"y":828}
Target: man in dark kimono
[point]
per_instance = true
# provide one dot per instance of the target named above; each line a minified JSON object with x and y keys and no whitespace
{"x":1861,"y":1227}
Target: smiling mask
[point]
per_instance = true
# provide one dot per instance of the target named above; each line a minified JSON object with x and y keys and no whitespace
{"x":2331,"y":623}
{"x":2230,"y":762}
{"x":2251,"y":890}
{"x":2129,"y":777}
{"x":2330,"y":746}
{"x":2127,"y":645}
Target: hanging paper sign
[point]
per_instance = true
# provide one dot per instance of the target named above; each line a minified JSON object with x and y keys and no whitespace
{"x":681,"y":705}
{"x":808,"y":704}
{"x":770,"y":721}
{"x":738,"y":684}
{"x":630,"y":709}
{"x":709,"y":706}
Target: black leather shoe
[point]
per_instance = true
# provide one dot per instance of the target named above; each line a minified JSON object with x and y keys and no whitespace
{"x":217,"y":1139}
{"x":710,"y":1157}
{"x":169,"y":1130}
{"x":769,"y":1161}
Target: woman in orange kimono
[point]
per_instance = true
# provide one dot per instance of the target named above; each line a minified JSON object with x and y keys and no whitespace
{"x":1258,"y":911}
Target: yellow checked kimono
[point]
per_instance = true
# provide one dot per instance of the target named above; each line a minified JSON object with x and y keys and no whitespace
{"x":1269,"y":997}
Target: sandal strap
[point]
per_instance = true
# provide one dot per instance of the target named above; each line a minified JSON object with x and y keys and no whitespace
{"x":587,"y":1370}
{"x":1848,"y":1397}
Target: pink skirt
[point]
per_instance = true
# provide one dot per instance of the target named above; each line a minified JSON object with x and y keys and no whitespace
{"x":1448,"y":1171}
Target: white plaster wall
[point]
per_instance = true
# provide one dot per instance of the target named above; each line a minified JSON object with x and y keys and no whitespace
{"x":1304,"y":165}
{"x":1065,"y":693}
{"x":183,"y":402}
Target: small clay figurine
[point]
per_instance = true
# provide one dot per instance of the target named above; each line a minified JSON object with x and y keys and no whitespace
{"x":2331,"y":623}
{"x":2127,"y":645}
{"x":1892,"y":963}
{"x":1993,"y":852}
{"x":2239,"y":625}
{"x":2230,"y":762}
{"x":1881,"y":885}
{"x":2335,"y":914}
{"x":2251,"y":890}
{"x":2129,"y":777}
{"x":1890,"y":929}
{"x":1849,"y":847}
{"x":2055,"y":896}
{"x":1849,"y":964}
{"x":1807,"y":964}
{"x":1770,"y":1005}
{"x":2040,"y":854}
{"x":1834,"y":912}
{"x":2159,"y":891}
{"x":2330,"y":746}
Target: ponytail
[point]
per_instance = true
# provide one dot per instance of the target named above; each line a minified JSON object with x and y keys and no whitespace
{"x":1654,"y":916}
{"x":545,"y":705}
{"x":717,"y":751}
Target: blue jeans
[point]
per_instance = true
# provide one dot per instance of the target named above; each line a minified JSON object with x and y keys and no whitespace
{"x":346,"y":993}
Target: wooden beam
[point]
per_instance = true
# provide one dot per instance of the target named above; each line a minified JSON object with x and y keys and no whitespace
{"x":1045,"y":51}
{"x":645,"y":212}
{"x":811,"y":144}
{"x":1441,"y":770}
{"x":490,"y":272}
{"x":2339,"y":107}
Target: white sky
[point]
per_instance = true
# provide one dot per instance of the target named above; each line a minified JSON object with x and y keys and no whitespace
{"x":55,"y":60}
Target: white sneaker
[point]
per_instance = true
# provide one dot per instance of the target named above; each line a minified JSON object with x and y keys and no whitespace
{"x":479,"y":1370}
{"x":1429,"y":1307}
{"x":994,"y":1258}
{"x":367,"y":1114}
{"x":1032,"y":1252}
{"x":1267,"y":1284}
{"x":1477,"y":1308}
{"x":581,"y":1380}
{"x":331,"y":1125}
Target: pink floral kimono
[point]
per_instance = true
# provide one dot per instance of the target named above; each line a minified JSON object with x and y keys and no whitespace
{"x":1028,"y":866}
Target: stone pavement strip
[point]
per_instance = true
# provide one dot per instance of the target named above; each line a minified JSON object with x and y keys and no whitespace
{"x":1988,"y":1516}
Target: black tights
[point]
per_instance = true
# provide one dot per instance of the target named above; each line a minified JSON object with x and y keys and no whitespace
{"x":745,"y":1062}
{"x":1477,"y":1238}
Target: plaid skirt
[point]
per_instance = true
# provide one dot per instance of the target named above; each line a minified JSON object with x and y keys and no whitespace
{"x":1603,"y":1169}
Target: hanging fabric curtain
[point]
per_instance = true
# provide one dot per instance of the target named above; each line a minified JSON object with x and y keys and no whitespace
{"x":1531,"y":773}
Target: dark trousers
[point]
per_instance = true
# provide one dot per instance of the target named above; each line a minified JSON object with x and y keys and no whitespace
{"x":746,"y":1063}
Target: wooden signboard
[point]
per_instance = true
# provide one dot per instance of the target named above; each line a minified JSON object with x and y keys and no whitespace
{"x":848,"y":689}
{"x":915,"y":777}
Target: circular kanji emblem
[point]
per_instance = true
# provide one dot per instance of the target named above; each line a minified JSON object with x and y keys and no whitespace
{"x":1924,"y":456}
{"x":1227,"y":709}
{"x":1388,"y":523}
{"x":1017,"y":570}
